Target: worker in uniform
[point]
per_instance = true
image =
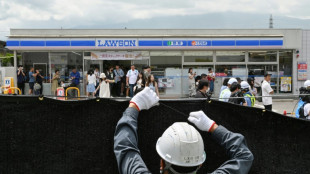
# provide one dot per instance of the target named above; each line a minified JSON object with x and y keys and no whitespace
{"x":181,"y":146}
{"x":225,"y":94}
{"x":248,"y":96}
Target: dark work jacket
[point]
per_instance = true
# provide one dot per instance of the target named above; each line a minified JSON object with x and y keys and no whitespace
{"x":129,"y":159}
{"x":110,"y":75}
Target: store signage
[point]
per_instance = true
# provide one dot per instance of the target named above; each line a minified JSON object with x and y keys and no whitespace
{"x":199,"y":43}
{"x":302,"y":70}
{"x":116,"y":55}
{"x":175,"y":43}
{"x":286,"y":84}
{"x":117,"y":43}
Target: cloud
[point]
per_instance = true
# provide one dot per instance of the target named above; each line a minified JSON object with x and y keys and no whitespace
{"x":72,"y":13}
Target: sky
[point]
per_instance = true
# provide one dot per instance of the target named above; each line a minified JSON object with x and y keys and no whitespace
{"x":71,"y":14}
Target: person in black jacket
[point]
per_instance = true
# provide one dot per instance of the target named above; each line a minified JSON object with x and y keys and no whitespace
{"x":111,"y":76}
{"x":182,"y":136}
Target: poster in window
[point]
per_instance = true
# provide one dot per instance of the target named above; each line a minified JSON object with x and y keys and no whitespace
{"x":286,"y":84}
{"x":302,"y":70}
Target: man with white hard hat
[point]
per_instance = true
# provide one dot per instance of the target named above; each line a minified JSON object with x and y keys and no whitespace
{"x":248,"y":96}
{"x":181,"y":146}
{"x":225,"y":94}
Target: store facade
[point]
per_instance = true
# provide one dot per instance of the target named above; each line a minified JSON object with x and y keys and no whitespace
{"x":170,"y":53}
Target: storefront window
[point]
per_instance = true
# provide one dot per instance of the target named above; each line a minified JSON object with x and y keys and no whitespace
{"x":38,"y":60}
{"x":230,"y":56}
{"x":258,"y":71}
{"x":262,"y":56}
{"x":65,"y":62}
{"x":230,"y":70}
{"x":198,"y":56}
{"x":167,"y":69}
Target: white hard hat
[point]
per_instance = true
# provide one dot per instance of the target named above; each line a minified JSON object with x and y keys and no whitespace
{"x":232,"y":80}
{"x":102,"y":75}
{"x":182,"y":145}
{"x":244,"y":85}
{"x":307,"y":83}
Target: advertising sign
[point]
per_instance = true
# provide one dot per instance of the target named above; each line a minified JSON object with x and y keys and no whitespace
{"x":116,"y":55}
{"x":302,"y":70}
{"x":286,"y":84}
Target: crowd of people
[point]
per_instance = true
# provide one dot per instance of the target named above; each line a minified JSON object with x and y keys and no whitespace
{"x":233,"y":90}
{"x":115,"y":83}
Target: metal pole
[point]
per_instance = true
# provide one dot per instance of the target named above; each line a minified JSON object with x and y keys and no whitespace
{"x":15,"y":68}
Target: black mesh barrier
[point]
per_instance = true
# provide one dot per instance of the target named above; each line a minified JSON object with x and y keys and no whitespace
{"x":60,"y":137}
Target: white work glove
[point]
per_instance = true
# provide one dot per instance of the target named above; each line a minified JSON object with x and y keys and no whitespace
{"x":145,"y":99}
{"x":201,"y":121}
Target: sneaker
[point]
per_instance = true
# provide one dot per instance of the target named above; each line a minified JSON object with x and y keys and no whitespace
{"x":127,"y":97}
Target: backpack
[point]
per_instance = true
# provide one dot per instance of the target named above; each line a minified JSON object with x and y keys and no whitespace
{"x":302,"y":112}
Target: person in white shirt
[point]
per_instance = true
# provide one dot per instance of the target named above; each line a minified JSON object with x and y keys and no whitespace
{"x":104,"y":86}
{"x":191,"y":82}
{"x":266,"y":92}
{"x":91,"y":82}
{"x":225,"y":94}
{"x":131,"y":79}
{"x":97,"y":74}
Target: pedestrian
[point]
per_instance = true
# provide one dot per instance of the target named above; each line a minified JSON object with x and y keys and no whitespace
{"x":303,"y":96}
{"x":140,"y":82}
{"x":32,"y":79}
{"x":146,"y":72}
{"x":204,"y":76}
{"x":191,"y":82}
{"x":253,"y":90}
{"x":21,"y":79}
{"x":181,"y":147}
{"x":119,"y":74}
{"x":131,"y":79}
{"x":91,"y":83}
{"x":248,"y":96}
{"x":203,"y":88}
{"x":225,"y":94}
{"x":55,"y":82}
{"x":152,"y":84}
{"x":224,"y":86}
{"x":39,"y":80}
{"x":267,"y":91}
{"x":236,"y":95}
{"x":211,"y":78}
{"x":111,"y":76}
{"x":97,"y":74}
{"x":104,"y":86}
{"x":239,"y":80}
{"x":75,"y":81}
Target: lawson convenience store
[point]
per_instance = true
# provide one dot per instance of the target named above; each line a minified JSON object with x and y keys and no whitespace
{"x":237,"y":53}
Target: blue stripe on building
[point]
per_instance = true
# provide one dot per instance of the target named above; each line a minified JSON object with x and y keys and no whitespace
{"x":150,"y":43}
{"x":12,"y":43}
{"x":57,"y":43}
{"x":247,"y":42}
{"x":83,"y":43}
{"x":223,"y":43}
{"x":271,"y":43}
{"x":32,"y":43}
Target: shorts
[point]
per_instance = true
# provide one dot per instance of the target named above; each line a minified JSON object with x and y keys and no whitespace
{"x":31,"y":84}
{"x":91,"y":88}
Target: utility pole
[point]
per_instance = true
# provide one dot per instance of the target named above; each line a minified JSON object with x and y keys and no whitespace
{"x":270,"y":22}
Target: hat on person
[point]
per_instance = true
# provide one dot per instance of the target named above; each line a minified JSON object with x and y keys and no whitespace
{"x":244,"y":85}
{"x":102,"y":75}
{"x":231,"y":81}
{"x":307,"y":83}
{"x":267,"y":74}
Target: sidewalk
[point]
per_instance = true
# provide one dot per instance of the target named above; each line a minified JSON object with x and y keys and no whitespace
{"x":281,"y":105}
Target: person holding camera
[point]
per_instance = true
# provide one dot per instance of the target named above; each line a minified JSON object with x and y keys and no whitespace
{"x":236,"y":96}
{"x":21,"y":79}
{"x":191,"y":82}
